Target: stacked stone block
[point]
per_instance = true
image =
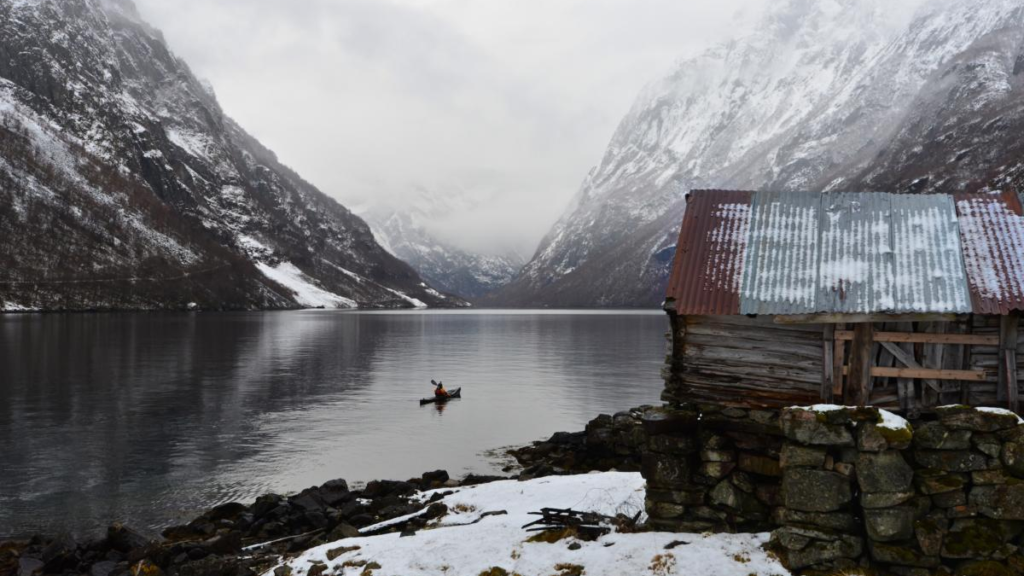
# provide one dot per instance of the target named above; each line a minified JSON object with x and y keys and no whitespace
{"x":819,"y":525}
{"x":968,"y":466}
{"x":858,"y":491}
{"x":732,"y":465}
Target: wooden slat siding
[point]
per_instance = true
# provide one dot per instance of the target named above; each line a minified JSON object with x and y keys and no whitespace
{"x":742,"y":361}
{"x":929,"y":373}
{"x":905,"y":386}
{"x":859,"y":389}
{"x":929,"y":338}
{"x":827,"y":349}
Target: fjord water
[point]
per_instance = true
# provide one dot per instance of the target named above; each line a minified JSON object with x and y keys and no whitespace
{"x":151,"y":418}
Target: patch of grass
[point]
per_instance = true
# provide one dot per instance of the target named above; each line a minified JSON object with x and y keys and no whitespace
{"x":516,"y":554}
{"x":494,"y":571}
{"x":566,"y":569}
{"x":662,"y":564}
{"x":335,"y":552}
{"x":463,"y":508}
{"x":741,"y":558}
{"x":552,"y":536}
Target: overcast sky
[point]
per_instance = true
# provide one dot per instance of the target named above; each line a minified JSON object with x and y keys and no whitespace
{"x":505,"y":104}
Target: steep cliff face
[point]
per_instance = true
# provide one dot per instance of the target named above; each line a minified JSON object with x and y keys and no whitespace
{"x":826,"y":95}
{"x":124,"y":185}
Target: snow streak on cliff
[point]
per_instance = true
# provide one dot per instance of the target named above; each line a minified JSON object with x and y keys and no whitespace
{"x":836,"y":95}
{"x":124,"y":185}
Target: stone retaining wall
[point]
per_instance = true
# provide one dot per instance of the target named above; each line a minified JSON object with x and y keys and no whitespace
{"x":846,"y":488}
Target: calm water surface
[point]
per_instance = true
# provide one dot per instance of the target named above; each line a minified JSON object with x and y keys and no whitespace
{"x":150,"y":418}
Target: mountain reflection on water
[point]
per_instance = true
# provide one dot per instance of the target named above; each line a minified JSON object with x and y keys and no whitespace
{"x":149,"y":418}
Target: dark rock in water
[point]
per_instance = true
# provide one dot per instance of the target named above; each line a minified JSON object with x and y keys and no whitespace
{"x":308,"y":499}
{"x":380,"y":488}
{"x":434,"y":479}
{"x":474,"y":479}
{"x":265,"y":504}
{"x":124,"y":539}
{"x":229,"y":511}
{"x":335,"y":492}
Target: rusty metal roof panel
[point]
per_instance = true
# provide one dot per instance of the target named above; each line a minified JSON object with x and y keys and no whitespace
{"x":928,"y":261}
{"x":710,"y":254}
{"x":855,"y":265}
{"x":781,"y":268}
{"x":992,"y":234}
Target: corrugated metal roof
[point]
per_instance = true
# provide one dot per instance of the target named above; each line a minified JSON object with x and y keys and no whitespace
{"x":928,"y":258}
{"x":849,"y":253}
{"x":781,"y":267}
{"x":855,"y":270}
{"x":992,"y":232}
{"x":710,"y":253}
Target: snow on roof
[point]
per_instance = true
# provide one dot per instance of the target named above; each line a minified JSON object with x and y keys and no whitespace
{"x":847,"y":253}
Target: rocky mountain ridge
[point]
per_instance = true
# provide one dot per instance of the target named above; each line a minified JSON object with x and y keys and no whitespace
{"x":124,"y":185}
{"x":826,"y":95}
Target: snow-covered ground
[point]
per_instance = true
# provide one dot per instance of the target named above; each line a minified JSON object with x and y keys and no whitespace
{"x":453,"y":546}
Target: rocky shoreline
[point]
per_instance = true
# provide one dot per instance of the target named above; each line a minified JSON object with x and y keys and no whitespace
{"x":235,"y":539}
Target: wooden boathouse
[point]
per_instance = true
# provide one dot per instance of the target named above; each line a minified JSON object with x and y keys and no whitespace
{"x":904,"y":302}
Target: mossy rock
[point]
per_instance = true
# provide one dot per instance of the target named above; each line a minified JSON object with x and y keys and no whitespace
{"x":982,"y":568}
{"x":980,"y":539}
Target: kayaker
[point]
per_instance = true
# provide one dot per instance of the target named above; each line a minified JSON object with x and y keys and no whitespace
{"x":439,"y":390}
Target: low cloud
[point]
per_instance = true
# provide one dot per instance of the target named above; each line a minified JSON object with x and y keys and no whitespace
{"x":510,"y":102}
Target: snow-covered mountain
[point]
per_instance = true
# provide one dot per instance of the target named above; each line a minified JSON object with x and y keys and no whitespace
{"x":903,"y":95}
{"x":406,"y":229}
{"x":124,"y":185}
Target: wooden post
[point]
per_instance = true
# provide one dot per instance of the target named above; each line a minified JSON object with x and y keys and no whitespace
{"x":859,"y":388}
{"x":1008,"y":389}
{"x":905,"y":386}
{"x":838,"y":360}
{"x":827,"y":364}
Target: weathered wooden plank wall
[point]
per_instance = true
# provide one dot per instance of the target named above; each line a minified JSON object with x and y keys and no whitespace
{"x":746,"y":361}
{"x":755,"y":362}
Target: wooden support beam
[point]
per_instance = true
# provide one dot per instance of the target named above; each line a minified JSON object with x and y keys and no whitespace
{"x":863,"y":318}
{"x":927,"y":338}
{"x":927,"y":373}
{"x":908,"y":361}
{"x":859,"y":390}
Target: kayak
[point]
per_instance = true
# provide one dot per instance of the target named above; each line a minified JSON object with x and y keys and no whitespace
{"x":457,"y":393}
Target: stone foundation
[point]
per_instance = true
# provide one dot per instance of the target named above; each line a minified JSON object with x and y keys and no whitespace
{"x":845,"y":488}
